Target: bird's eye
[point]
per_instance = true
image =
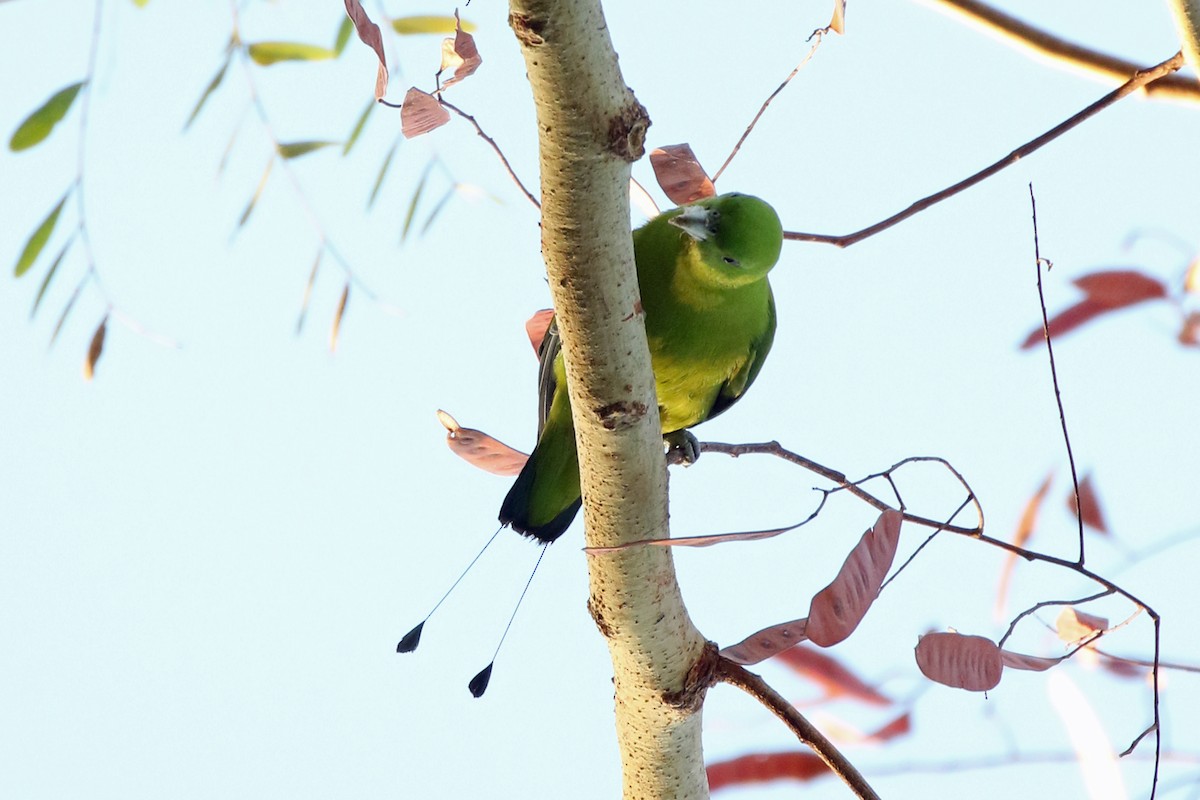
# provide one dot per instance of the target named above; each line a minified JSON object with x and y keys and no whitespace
{"x":731,"y":261}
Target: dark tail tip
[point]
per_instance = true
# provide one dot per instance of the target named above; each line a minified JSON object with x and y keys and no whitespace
{"x":479,"y":683}
{"x":410,"y":640}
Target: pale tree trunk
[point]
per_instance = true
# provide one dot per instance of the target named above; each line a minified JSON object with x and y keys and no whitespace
{"x":591,"y":128}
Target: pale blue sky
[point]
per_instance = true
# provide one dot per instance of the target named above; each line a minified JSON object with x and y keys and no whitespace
{"x":207,"y":554}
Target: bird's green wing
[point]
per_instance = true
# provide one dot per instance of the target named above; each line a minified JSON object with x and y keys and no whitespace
{"x":733,"y":389}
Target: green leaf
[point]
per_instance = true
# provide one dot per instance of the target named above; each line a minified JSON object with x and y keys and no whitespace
{"x":343,"y":35}
{"x":39,"y":238}
{"x":262,"y":183}
{"x":412,"y":204}
{"x":297,"y":149}
{"x":387,"y":162}
{"x":267,"y":53}
{"x":212,"y":87}
{"x":308,"y":287}
{"x":140,"y":3}
{"x":37,"y":301}
{"x":358,"y":127}
{"x":62,"y":318}
{"x":428,"y":24}
{"x":37,"y":126}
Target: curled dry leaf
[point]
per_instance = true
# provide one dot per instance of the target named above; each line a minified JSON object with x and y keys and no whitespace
{"x":829,"y":673}
{"x":838,"y":608}
{"x":459,"y":53}
{"x":1031,"y":663}
{"x":537,"y":325}
{"x":1105,"y":291}
{"x":765,"y":767}
{"x":766,"y":643}
{"x":370,"y":35}
{"x":421,"y":113}
{"x":479,"y":449}
{"x":838,"y":23}
{"x":1074,"y":626}
{"x":95,"y":349}
{"x":680,"y":175}
{"x":900,"y":726}
{"x":1089,"y":505}
{"x":962,"y":662}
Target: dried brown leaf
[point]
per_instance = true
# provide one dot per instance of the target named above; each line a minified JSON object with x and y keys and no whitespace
{"x":1025,"y":662}
{"x":766,"y":643}
{"x":838,"y":608}
{"x":1089,"y":505}
{"x":1105,"y":291}
{"x":371,"y":36}
{"x":479,"y":449}
{"x":680,"y":175}
{"x":421,"y":113}
{"x":536,"y":327}
{"x":1074,"y":626}
{"x":95,"y":349}
{"x":459,"y":53}
{"x":1189,"y":331}
{"x":962,"y":662}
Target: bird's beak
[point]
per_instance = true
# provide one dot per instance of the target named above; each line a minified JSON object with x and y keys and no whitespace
{"x":695,"y":221}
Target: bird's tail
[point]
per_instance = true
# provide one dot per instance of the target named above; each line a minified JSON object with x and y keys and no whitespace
{"x":545,"y":498}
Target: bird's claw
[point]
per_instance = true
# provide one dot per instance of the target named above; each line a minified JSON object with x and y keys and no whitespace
{"x":682,"y":448}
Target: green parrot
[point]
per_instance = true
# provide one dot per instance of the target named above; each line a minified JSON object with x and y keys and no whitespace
{"x":710,"y":320}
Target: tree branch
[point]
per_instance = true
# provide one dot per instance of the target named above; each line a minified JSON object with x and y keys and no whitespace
{"x":590,"y":129}
{"x":1030,"y":38}
{"x":1138,"y":81}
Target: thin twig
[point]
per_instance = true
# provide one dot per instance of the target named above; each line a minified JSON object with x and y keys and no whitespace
{"x":1028,"y":38}
{"x":737,"y":675}
{"x":819,"y":35}
{"x":511,"y":172}
{"x":1012,"y":626}
{"x":1062,"y":416}
{"x":1138,"y":81}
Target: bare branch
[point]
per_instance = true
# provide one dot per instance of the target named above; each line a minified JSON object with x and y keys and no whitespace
{"x":736,"y":675}
{"x":511,"y":173}
{"x":1138,"y":81}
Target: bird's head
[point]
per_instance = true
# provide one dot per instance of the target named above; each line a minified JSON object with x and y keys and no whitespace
{"x":738,"y":236}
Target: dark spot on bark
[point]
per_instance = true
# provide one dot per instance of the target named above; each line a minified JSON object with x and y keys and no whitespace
{"x":627,"y":131}
{"x":621,"y":414}
{"x":528,"y":29}
{"x":596,"y":609}
{"x":702,"y":675}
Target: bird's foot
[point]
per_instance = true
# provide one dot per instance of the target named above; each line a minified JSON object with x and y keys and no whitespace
{"x":682,"y":447}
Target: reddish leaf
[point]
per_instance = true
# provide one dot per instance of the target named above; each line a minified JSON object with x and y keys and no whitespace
{"x":838,"y":608}
{"x":536,"y":327}
{"x":963,"y":662}
{"x":459,"y":53}
{"x":764,"y":767}
{"x":481,"y":450}
{"x":338,"y":313}
{"x":1119,"y":288}
{"x":1089,"y":505}
{"x":1022,"y":661}
{"x":1122,"y":668}
{"x":680,"y":175}
{"x":95,"y":349}
{"x":1106,"y":291}
{"x":1075,"y":626}
{"x":768,"y":642}
{"x":1025,"y":529}
{"x":1189,"y":331}
{"x":369,"y":33}
{"x":421,"y":113}
{"x":900,"y":726}
{"x":828,"y":673}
